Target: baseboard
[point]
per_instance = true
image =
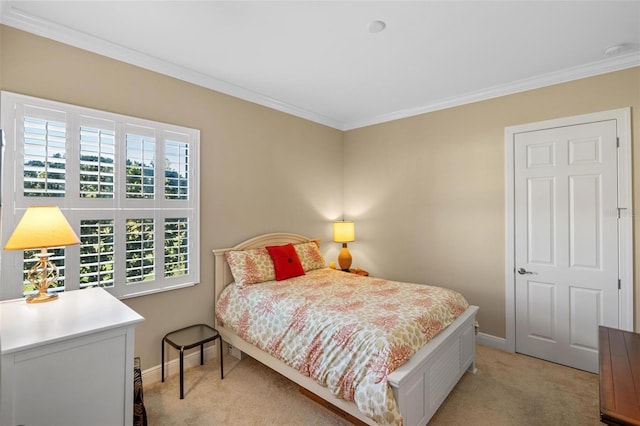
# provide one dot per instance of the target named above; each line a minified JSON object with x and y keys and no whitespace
{"x":154,"y":374}
{"x":492,"y":341}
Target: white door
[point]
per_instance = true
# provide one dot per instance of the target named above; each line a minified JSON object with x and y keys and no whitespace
{"x":566,"y":241}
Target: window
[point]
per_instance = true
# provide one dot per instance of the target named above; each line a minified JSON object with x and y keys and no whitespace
{"x":128,"y":187}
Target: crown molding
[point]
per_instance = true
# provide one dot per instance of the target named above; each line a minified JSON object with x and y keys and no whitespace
{"x":15,"y":18}
{"x":569,"y":74}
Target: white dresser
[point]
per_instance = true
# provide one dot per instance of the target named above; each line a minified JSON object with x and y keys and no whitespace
{"x":67,"y":362}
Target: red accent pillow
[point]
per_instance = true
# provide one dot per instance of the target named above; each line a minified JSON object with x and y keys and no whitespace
{"x":285,"y":261}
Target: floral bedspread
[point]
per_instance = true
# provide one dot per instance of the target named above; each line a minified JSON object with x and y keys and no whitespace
{"x":346,"y":331}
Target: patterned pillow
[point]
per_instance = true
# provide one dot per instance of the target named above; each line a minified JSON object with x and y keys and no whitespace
{"x":250,"y":266}
{"x":309,"y":255}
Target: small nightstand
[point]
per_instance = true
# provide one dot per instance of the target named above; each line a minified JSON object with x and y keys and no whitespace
{"x":359,"y":271}
{"x":356,"y":271}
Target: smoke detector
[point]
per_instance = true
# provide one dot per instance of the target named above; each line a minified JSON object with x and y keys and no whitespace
{"x":376,"y":26}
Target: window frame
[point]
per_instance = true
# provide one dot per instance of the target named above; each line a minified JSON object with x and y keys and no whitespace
{"x":77,"y":208}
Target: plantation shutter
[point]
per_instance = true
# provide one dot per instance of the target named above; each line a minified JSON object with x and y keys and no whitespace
{"x":97,"y":253}
{"x":97,"y":161}
{"x":44,"y":152}
{"x":128,"y":187}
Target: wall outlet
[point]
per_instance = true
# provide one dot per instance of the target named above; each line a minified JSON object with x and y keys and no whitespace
{"x":235,"y":352}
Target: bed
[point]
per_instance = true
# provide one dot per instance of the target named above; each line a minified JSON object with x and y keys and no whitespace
{"x":418,"y":386}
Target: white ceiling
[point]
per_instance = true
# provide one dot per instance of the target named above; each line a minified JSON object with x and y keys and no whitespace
{"x":319,"y":61}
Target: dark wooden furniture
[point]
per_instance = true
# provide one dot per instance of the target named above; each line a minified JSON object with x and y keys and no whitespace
{"x":187,"y":338}
{"x":359,"y":271}
{"x":619,"y":376}
{"x":318,"y":400}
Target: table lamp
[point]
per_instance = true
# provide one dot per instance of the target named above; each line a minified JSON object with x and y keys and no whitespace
{"x":42,"y":227}
{"x":344,"y":232}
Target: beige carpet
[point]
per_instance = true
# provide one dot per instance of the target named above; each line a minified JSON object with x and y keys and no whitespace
{"x":509,"y":389}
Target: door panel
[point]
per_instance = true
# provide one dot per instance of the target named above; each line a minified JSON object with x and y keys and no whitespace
{"x":586,"y":307}
{"x":542,"y":309}
{"x":566,"y":241}
{"x":541,"y":227}
{"x":584,"y":222}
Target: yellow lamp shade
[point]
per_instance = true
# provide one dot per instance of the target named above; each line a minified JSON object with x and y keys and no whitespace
{"x":42,"y":227}
{"x":344,"y":232}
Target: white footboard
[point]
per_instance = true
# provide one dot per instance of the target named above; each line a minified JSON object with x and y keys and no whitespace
{"x":422,"y":384}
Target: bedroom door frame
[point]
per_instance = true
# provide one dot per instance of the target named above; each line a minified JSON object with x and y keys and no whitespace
{"x":622,"y":117}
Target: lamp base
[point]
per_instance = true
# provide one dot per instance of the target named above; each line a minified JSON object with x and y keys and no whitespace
{"x":42,"y":275}
{"x":42,"y":297}
{"x":344,"y":258}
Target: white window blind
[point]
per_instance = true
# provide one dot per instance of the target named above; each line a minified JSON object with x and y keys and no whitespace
{"x":140,"y":166}
{"x":97,"y":253}
{"x":44,"y":156}
{"x":176,"y":247}
{"x":140,"y":250}
{"x":128,"y":187}
{"x":97,"y":162}
{"x":177,"y":173}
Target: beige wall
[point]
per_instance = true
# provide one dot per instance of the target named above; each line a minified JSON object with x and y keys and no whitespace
{"x":427,"y":192}
{"x":261,"y":170}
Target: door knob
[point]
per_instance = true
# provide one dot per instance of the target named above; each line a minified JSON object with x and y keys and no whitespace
{"x":523,"y":271}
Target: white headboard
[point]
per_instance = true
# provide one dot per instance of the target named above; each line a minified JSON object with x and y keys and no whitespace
{"x":222,"y":273}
